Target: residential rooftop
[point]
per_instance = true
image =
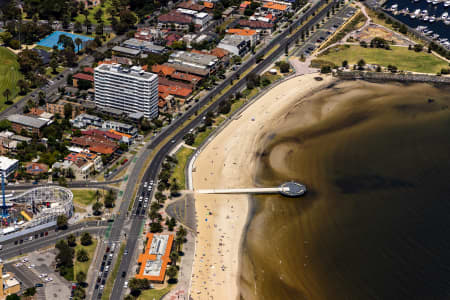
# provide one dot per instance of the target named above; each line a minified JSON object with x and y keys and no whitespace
{"x":135,"y":71}
{"x":27,"y":121}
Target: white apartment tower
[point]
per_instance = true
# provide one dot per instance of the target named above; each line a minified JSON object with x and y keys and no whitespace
{"x":127,"y":89}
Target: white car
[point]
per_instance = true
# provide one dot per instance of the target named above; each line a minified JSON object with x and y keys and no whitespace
{"x":125,"y":285}
{"x":102,"y":286}
{"x":18,"y":264}
{"x":25,"y":260}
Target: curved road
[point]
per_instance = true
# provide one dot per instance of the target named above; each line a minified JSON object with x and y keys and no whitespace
{"x":283,"y":40}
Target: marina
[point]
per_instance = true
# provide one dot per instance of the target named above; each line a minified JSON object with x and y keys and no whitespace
{"x":429,"y":17}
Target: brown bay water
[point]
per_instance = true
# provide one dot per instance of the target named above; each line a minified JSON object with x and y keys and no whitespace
{"x":375,"y":223}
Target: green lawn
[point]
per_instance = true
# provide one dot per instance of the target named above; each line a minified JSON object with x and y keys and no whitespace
{"x":48,"y":71}
{"x":153,"y":294}
{"x":9,"y":68}
{"x":84,"y":266}
{"x":182,"y":156}
{"x":84,"y":197}
{"x":105,"y":16}
{"x":401,"y":57}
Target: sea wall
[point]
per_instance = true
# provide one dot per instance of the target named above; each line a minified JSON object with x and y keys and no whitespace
{"x":377,"y":76}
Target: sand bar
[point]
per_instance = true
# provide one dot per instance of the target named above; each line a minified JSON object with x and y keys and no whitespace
{"x":229,"y":162}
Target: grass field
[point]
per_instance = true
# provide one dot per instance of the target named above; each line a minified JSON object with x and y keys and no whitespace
{"x":9,"y":68}
{"x":105,"y":16}
{"x":84,"y":197}
{"x":153,"y":294}
{"x":178,"y":173}
{"x":84,"y":266}
{"x":401,"y":57}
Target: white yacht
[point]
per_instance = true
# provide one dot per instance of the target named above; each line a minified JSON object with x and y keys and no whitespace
{"x":432,"y":19}
{"x":394,"y":7}
{"x":444,"y":16}
{"x":435,"y":2}
{"x":426,"y":18}
{"x":447,"y":3}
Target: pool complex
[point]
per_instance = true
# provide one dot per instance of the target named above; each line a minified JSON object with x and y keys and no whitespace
{"x":52,"y":40}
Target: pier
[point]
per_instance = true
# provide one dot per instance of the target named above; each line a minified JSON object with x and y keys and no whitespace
{"x":288,"y":189}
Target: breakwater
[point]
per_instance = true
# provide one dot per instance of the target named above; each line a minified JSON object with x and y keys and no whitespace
{"x":378,"y":76}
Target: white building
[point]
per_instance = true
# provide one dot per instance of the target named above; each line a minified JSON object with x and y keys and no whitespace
{"x":8,"y":165}
{"x":237,"y":44}
{"x":129,"y":90}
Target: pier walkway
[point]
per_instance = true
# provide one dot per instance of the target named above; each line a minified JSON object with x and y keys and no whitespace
{"x":289,"y":189}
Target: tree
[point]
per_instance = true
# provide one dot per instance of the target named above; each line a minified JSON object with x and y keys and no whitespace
{"x":64,"y":257}
{"x":79,"y":293}
{"x":345,"y":64}
{"x":41,"y":97}
{"x":97,"y":207}
{"x":61,"y":222}
{"x":72,"y":240}
{"x":189,"y":139}
{"x":172,"y":273}
{"x":78,"y":42}
{"x":6,"y":94}
{"x":53,"y":64}
{"x":81,"y":277}
{"x":98,"y":14}
{"x":361,"y":64}
{"x":23,"y":86}
{"x":174,"y":257}
{"x":77,"y":27}
{"x":418,"y":47}
{"x":82,"y":255}
{"x":86,"y":239}
{"x":180,"y":237}
{"x":325,"y":69}
{"x":155,"y":227}
{"x":30,"y":292}
{"x":12,"y":297}
{"x":68,"y":110}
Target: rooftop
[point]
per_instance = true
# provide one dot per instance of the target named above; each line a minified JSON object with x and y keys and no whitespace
{"x":27,"y":121}
{"x":238,"y":31}
{"x":135,"y":71}
{"x":163,"y":69}
{"x":174,"y":90}
{"x":126,"y":50}
{"x":275,"y":6}
{"x":155,"y":258}
{"x":83,"y":77}
{"x":234,"y":40}
{"x":195,"y":58}
{"x":255,"y":24}
{"x":175,"y":17}
{"x":6,"y":162}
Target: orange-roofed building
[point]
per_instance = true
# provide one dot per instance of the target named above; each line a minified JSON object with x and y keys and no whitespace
{"x":208,"y":5}
{"x":244,"y":5}
{"x":245,"y":32}
{"x":219,"y":53}
{"x":163,"y":70}
{"x":153,"y":262}
{"x":275,"y":6}
{"x":175,"y":91}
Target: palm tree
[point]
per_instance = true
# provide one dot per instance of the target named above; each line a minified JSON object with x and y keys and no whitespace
{"x":23,"y":86}
{"x":174,"y":257}
{"x":78,"y":42}
{"x":6,"y":94}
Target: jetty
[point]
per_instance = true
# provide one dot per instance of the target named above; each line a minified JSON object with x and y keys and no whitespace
{"x":288,"y":189}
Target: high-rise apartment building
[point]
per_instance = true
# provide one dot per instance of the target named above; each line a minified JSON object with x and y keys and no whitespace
{"x":127,"y":89}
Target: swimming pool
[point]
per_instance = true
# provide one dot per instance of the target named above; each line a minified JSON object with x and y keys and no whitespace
{"x":52,"y":40}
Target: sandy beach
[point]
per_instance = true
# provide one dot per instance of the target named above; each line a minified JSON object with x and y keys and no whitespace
{"x":229,"y":161}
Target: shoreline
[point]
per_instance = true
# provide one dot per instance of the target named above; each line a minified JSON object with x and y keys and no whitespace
{"x":217,"y":261}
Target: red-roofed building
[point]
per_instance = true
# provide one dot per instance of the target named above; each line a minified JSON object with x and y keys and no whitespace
{"x":260,"y":26}
{"x":192,"y":79}
{"x":175,"y":90}
{"x":88,"y":70}
{"x":35,"y":168}
{"x":191,"y":6}
{"x":101,"y":133}
{"x":143,"y":34}
{"x":180,"y":21}
{"x":275,"y":7}
{"x":173,"y":37}
{"x":163,"y":70}
{"x":81,"y":76}
{"x":96,"y":144}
